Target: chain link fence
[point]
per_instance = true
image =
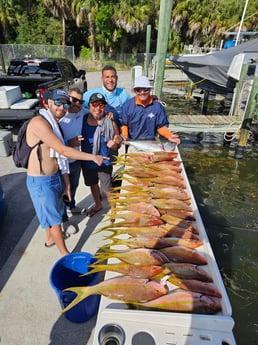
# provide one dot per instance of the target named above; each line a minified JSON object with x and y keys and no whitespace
{"x":10,"y":51}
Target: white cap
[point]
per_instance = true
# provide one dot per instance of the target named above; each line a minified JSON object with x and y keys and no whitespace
{"x":142,"y":81}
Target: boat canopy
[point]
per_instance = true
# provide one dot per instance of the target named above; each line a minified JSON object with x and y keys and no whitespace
{"x":209,"y":71}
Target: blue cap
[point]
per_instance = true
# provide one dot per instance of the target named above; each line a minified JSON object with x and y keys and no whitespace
{"x":59,"y":94}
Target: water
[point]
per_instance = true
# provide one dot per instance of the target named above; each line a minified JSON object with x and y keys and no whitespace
{"x":226,"y":192}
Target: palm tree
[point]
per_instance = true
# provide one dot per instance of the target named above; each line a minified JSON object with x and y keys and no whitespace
{"x":8,"y":18}
{"x":81,"y":9}
{"x":60,"y":9}
{"x":132,"y":16}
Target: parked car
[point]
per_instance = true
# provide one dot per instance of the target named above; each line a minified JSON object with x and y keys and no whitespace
{"x":22,"y":87}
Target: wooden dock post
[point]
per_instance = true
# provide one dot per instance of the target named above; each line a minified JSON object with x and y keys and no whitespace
{"x":162,"y":44}
{"x":147,"y":54}
{"x":249,"y":114}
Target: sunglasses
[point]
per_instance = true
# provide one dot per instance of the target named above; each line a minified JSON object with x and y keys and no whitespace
{"x":141,"y":89}
{"x":97,"y":104}
{"x":76,"y":100}
{"x":59,"y":104}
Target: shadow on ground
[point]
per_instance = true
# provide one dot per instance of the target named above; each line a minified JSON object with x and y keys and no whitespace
{"x":19,"y":215}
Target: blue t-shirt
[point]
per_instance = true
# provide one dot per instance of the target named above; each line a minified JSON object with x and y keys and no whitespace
{"x":143,"y":122}
{"x":87,"y":145}
{"x":114,"y":98}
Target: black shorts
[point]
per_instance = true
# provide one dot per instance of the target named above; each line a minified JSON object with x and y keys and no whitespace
{"x":102,"y":175}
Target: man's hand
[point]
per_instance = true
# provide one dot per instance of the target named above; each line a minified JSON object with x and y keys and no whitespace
{"x":174,"y":139}
{"x":115,"y":143}
{"x":76,"y":141}
{"x":99,"y":159}
{"x":110,"y":116}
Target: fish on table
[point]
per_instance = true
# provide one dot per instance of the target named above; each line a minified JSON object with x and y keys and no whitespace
{"x":152,"y":211}
{"x":187,"y":271}
{"x":124,"y":268}
{"x":154,"y":242}
{"x":195,"y":285}
{"x":165,"y":230}
{"x":184,"y":254}
{"x":184,"y":301}
{"x":151,"y":145}
{"x":122,"y":288}
{"x":138,"y":256}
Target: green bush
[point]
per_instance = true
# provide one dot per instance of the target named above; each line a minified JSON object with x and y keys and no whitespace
{"x":85,"y":53}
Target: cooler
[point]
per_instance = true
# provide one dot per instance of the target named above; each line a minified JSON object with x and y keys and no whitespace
{"x":9,"y":95}
{"x":25,"y":103}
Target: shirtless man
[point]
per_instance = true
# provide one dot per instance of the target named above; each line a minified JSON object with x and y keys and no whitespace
{"x":48,"y":184}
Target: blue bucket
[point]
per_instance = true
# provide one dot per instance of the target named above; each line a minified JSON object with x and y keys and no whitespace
{"x":66,"y":273}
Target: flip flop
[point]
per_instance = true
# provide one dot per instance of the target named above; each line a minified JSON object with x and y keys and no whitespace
{"x":49,"y":245}
{"x":92,"y":212}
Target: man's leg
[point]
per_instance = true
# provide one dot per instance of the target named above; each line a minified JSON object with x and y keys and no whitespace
{"x":96,"y":196}
{"x":75,"y":171}
{"x":55,"y":234}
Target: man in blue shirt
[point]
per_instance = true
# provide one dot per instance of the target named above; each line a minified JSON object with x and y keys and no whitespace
{"x":115,"y":96}
{"x":143,"y":116}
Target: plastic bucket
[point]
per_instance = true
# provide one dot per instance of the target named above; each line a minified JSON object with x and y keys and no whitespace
{"x":66,"y":273}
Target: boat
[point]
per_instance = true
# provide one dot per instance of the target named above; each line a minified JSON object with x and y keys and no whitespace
{"x":209,"y":71}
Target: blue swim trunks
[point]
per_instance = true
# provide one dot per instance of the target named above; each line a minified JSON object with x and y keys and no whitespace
{"x":46,"y":195}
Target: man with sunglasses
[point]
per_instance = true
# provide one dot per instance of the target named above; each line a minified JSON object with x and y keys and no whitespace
{"x":100,"y":134}
{"x":71,"y":125}
{"x":49,"y":181}
{"x":143,"y":116}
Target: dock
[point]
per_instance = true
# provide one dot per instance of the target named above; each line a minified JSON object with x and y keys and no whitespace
{"x":205,"y":123}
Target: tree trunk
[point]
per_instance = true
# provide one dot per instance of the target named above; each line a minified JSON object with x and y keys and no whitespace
{"x":123,"y":45}
{"x":93,"y":35}
{"x":63,"y":31}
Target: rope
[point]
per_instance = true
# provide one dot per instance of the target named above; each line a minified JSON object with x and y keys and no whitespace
{"x":234,"y":135}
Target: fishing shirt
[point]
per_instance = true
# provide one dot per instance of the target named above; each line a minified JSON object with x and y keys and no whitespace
{"x":87,"y":145}
{"x":115,"y":98}
{"x":143,"y":121}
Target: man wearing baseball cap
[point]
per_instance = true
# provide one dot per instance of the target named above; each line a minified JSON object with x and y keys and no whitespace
{"x":100,"y":134}
{"x":143,"y":116}
{"x":48,"y":169}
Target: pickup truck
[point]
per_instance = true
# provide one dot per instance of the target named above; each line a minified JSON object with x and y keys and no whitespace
{"x":34,"y":77}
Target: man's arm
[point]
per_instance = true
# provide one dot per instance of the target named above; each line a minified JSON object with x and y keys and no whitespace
{"x":40,"y":129}
{"x":165,"y":132}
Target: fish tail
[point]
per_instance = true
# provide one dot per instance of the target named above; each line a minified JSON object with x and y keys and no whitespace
{"x":82,"y":292}
{"x":108,"y":227}
{"x":104,"y":255}
{"x":96,"y":268}
{"x":117,"y":241}
{"x":159,"y":276}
